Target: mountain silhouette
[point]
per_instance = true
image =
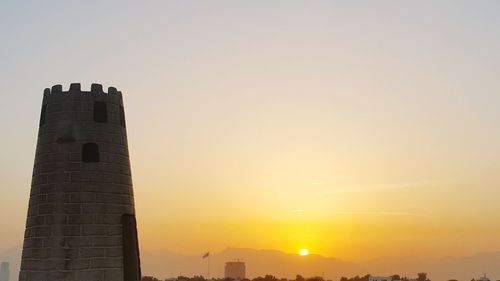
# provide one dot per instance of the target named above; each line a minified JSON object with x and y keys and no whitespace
{"x":163,"y":264}
{"x":261,"y":262}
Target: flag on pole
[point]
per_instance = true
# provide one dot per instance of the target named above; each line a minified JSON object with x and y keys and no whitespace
{"x":206,"y":255}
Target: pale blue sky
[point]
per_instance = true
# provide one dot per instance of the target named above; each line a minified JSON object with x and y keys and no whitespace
{"x":255,"y":99}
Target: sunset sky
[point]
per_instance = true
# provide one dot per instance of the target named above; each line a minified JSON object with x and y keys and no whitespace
{"x":355,"y":129}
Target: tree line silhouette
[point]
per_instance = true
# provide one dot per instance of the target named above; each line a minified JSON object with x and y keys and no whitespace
{"x":420,"y":277}
{"x":260,"y":278}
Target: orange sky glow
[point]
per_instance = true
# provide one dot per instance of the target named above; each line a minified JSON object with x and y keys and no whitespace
{"x":355,"y":131}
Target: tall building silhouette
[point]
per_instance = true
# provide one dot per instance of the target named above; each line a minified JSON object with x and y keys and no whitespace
{"x":4,"y":272}
{"x":235,"y":270}
{"x":81,"y":218}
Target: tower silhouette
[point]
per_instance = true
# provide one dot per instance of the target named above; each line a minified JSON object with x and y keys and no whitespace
{"x":81,"y":218}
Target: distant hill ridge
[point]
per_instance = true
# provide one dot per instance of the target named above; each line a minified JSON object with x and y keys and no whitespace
{"x":260,"y":262}
{"x":163,"y":264}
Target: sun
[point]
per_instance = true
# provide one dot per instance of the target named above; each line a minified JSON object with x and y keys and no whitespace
{"x":304,"y":252}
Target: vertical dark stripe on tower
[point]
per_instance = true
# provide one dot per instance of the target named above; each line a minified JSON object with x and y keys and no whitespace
{"x":122,"y":116}
{"x":42,"y":114}
{"x":131,"y":264}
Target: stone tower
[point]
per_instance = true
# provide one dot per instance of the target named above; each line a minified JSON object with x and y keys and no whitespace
{"x":81,"y":219}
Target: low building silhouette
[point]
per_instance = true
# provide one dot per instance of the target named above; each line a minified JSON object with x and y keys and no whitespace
{"x":4,"y":272}
{"x":380,"y":278}
{"x":482,"y":278}
{"x":235,"y":270}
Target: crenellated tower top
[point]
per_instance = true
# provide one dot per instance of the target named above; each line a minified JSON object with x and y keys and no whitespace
{"x":76,"y":88}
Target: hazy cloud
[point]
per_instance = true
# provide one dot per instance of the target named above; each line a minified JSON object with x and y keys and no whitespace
{"x":374,"y":213}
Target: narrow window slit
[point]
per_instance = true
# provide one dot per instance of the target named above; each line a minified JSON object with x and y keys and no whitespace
{"x":100,"y":112}
{"x":90,"y":152}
